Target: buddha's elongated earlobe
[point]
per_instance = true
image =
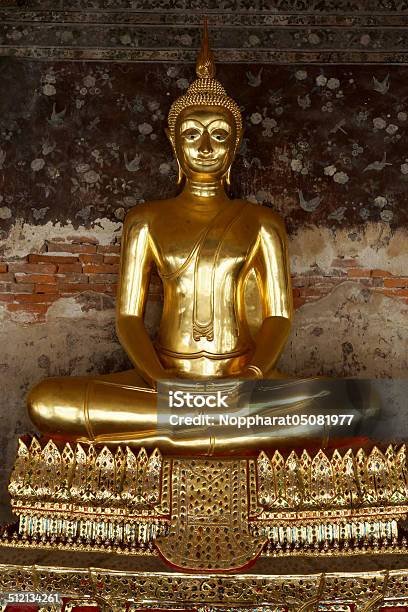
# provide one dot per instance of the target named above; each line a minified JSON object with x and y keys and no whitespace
{"x":180,"y":176}
{"x":227,"y":178}
{"x":180,"y":173}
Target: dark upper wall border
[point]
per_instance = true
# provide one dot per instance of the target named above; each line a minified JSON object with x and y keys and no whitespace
{"x":227,"y":56}
{"x":265,"y":31}
{"x":188,"y":19}
{"x":223,"y":6}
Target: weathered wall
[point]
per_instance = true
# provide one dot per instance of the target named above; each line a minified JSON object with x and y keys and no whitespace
{"x":82,"y":142}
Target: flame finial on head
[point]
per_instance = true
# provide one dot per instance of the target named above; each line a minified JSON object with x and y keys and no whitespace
{"x":205,"y":90}
{"x":205,"y":66}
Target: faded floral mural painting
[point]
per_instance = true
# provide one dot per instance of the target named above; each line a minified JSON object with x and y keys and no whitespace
{"x":80,"y":141}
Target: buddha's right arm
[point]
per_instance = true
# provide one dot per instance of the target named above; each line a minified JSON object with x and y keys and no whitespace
{"x":137,"y":344}
{"x":134,"y":278}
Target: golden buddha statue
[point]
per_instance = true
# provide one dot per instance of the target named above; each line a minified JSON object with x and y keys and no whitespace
{"x":204,"y":246}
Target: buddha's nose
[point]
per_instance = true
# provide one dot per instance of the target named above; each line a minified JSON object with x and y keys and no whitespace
{"x":205,"y":145}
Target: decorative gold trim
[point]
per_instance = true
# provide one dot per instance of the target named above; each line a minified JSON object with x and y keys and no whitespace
{"x":74,"y":603}
{"x":325,"y":592}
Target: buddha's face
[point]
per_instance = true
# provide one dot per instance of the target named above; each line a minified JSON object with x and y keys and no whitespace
{"x":205,"y":142}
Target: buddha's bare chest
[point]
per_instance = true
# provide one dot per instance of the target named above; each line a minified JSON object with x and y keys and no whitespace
{"x":187,"y":242}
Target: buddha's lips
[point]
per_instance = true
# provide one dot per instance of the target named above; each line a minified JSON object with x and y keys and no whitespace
{"x":203,"y":162}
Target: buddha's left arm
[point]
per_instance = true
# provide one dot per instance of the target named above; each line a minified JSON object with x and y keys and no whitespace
{"x":271,"y":264}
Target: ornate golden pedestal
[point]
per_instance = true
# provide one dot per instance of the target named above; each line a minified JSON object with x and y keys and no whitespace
{"x":325,"y":530}
{"x":209,"y":514}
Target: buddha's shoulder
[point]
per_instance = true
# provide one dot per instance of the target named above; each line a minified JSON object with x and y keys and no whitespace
{"x":263,"y":215}
{"x":146,"y":212}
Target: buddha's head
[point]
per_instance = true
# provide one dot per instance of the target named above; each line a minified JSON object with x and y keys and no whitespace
{"x":205,"y":125}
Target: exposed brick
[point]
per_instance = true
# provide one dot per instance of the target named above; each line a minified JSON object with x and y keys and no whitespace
{"x":314,"y":292}
{"x":394,"y":282}
{"x":299,"y":281}
{"x":394,"y":293}
{"x":380,"y":273}
{"x":111,"y":259}
{"x":100,"y":269}
{"x":74,"y":287}
{"x":3,"y":268}
{"x":339,"y":262}
{"x":72,"y":277}
{"x":51,"y":258}
{"x":109,"y":248}
{"x":63,"y":247}
{"x":45,"y":288}
{"x":43,"y":298}
{"x":298,"y":302}
{"x":102,"y":278}
{"x":81,"y":287}
{"x":6,"y":297}
{"x":38,"y":308}
{"x":13,"y":287}
{"x":39,"y":268}
{"x":359,"y":273}
{"x":95,"y":258}
{"x":83,"y":239}
{"x":6,"y":276}
{"x":35,"y":278}
{"x":70,"y":267}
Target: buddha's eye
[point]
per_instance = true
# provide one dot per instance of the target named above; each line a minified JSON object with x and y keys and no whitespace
{"x":219,"y":135}
{"x":191,"y":135}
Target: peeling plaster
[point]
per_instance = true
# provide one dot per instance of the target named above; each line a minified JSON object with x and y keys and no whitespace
{"x":374,"y":246}
{"x":24,"y":238}
{"x":350,"y":332}
{"x":69,"y":308}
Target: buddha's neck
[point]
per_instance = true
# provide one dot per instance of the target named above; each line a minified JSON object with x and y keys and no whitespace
{"x":205,"y":189}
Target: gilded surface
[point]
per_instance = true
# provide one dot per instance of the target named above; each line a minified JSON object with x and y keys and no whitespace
{"x":209,"y":527}
{"x":87,"y":496}
{"x":341,"y":592}
{"x":208,"y":514}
